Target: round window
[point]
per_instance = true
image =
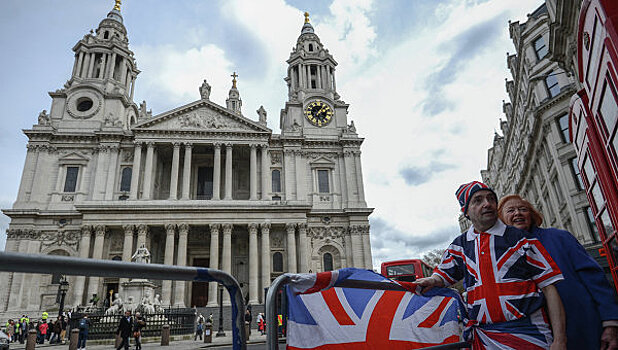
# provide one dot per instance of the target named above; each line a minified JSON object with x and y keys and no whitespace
{"x":84,"y":104}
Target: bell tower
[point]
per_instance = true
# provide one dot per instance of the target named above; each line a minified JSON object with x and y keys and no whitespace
{"x":313,"y":106}
{"x":233,"y":102}
{"x":99,"y":93}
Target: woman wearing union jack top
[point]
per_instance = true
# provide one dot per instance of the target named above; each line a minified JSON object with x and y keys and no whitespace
{"x":508,"y":275}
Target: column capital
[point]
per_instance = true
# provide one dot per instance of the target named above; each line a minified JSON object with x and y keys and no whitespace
{"x":265,"y":226}
{"x":138,"y":143}
{"x":215,"y":228}
{"x":187,"y":144}
{"x":253,"y":145}
{"x":86,"y":230}
{"x":264,"y":146}
{"x":229,"y":145}
{"x":170,"y":229}
{"x":183,"y":228}
{"x":128,"y":229}
{"x":217,"y":145}
{"x":288,"y":151}
{"x":176,"y":144}
{"x":100,"y":230}
{"x":302,"y":227}
{"x":290,"y":227}
{"x":227,"y":228}
{"x":150,"y":143}
{"x":142,"y":229}
{"x":253,"y":227}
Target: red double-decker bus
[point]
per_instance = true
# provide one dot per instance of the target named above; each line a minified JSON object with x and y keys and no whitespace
{"x":407,"y":270}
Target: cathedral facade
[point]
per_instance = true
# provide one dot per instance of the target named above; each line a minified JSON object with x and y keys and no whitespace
{"x":199,"y":185}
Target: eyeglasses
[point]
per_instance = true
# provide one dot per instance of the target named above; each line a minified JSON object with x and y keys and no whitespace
{"x":512,"y":210}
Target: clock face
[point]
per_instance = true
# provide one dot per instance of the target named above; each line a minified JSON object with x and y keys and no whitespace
{"x":318,"y":113}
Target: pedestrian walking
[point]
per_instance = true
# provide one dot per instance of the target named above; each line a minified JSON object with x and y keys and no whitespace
{"x":56,"y":328}
{"x":199,"y":329}
{"x":125,"y":329}
{"x":260,"y":322}
{"x":138,"y":325}
{"x":42,"y":332}
{"x":84,"y":326}
{"x":63,"y":329}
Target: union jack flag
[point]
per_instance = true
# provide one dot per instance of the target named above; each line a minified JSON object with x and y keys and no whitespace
{"x":503,"y":271}
{"x":325,"y":316}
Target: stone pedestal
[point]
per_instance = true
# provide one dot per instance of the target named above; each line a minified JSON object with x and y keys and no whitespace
{"x":74,"y":337}
{"x":208,"y":333}
{"x":165,"y":335}
{"x":31,"y":340}
{"x":137,"y":289}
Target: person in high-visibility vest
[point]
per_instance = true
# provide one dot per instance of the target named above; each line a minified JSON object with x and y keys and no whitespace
{"x":44,"y":316}
{"x":280,"y":323}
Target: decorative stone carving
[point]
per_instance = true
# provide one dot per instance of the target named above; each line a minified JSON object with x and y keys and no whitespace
{"x":111,"y":121}
{"x":262,"y":115}
{"x":276,"y":240}
{"x":143,"y":112}
{"x":44,"y":119}
{"x":127,"y":156}
{"x":67,"y":198}
{"x":61,"y":238}
{"x":321,"y":232}
{"x":205,"y":90}
{"x":142,"y":255}
{"x":275,"y":158}
{"x":183,"y":229}
{"x":196,"y":120}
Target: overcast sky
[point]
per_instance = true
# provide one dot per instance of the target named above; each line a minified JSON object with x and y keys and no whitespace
{"x":424,"y":79}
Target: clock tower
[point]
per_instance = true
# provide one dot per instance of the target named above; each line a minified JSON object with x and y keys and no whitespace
{"x":313,"y":109}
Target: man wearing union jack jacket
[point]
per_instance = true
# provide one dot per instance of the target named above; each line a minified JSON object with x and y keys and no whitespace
{"x":509,"y":278}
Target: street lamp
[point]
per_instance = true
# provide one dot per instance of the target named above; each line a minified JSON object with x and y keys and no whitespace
{"x":62,"y":289}
{"x":220,"y":332}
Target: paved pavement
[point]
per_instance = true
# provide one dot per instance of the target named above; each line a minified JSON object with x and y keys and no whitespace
{"x":255,"y":338}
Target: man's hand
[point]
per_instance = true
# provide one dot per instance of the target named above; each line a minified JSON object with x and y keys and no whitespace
{"x":609,"y":338}
{"x":427,"y":283}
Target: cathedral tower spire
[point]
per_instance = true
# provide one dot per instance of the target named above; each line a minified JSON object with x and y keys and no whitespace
{"x":234,"y":102}
{"x":100,"y":90}
{"x":311,"y":68}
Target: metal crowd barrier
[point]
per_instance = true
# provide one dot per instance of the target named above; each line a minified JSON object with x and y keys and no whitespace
{"x":50,"y":264}
{"x":281,"y":281}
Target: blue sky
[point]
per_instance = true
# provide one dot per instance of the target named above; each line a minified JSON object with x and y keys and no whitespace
{"x":424,"y":80}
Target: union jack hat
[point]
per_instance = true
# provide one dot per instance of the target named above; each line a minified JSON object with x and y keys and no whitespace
{"x":465,"y":192}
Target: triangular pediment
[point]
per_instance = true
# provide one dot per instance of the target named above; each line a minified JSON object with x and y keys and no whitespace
{"x":201,"y":116}
{"x":322,"y":161}
{"x":73,"y":158}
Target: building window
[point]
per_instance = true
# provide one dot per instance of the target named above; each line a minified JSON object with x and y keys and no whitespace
{"x":592,"y":225}
{"x":540,"y":48}
{"x":328,"y":261}
{"x":278,"y":262}
{"x":323,"y":183}
{"x":578,"y":177}
{"x":608,"y":108}
{"x":552,"y":84}
{"x":563,"y":124}
{"x":276,"y":180}
{"x":70,"y":181}
{"x":125,"y":179}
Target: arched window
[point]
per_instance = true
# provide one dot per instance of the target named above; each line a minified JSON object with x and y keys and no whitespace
{"x":56,"y":277}
{"x":278,"y":262}
{"x":106,"y":35}
{"x":310,"y":47}
{"x":276,"y":179}
{"x":125,"y":179}
{"x":328,"y":261}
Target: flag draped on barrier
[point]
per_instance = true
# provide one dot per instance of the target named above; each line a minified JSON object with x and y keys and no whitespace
{"x":322,"y":315}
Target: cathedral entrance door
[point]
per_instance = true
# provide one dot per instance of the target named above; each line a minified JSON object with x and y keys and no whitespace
{"x":199,"y":290}
{"x":204,"y":182}
{"x":242,"y":275}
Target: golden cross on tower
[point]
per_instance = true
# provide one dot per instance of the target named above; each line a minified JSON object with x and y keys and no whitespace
{"x":306,"y":17}
{"x":234,"y":76}
{"x":117,"y":5}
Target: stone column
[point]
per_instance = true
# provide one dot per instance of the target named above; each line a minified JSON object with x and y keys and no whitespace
{"x":357,"y":247}
{"x":228,"y":172}
{"x":98,"y":191}
{"x":342,"y":179}
{"x":127,"y":249}
{"x":366,"y":247}
{"x":216,"y":175}
{"x":253,"y":264}
{"x":300,"y":176}
{"x":265,"y":257}
{"x":91,"y":62}
{"x":112,"y":170}
{"x":302,"y":249}
{"x":85,"y":64}
{"x":84,"y":253}
{"x":142,"y":236}
{"x":318,"y":73}
{"x":97,"y":253}
{"x":137,"y":162}
{"x":186,"y":172}
{"x":147,"y":190}
{"x":166,"y":285}
{"x":214,"y":261}
{"x":226,"y":256}
{"x":253,"y":173}
{"x":288,"y":173}
{"x":25,"y":187}
{"x":348,"y":158}
{"x":78,"y":64}
{"x":174,"y":175}
{"x":291,"y":230}
{"x":179,"y":291}
{"x":103,"y":61}
{"x":347,"y":240}
{"x":359,"y":178}
{"x":265,"y":172}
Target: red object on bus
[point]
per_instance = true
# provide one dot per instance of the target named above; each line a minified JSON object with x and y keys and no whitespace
{"x":407,"y":270}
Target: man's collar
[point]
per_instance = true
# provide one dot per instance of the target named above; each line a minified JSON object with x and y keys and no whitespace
{"x":497,"y":229}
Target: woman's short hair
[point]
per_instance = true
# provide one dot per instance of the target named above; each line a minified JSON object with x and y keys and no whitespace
{"x":537,"y":218}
